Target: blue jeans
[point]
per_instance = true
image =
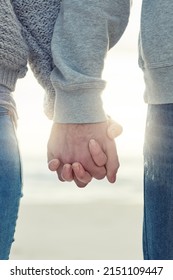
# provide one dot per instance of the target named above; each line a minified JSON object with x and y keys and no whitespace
{"x":10,"y":183}
{"x":158,"y":184}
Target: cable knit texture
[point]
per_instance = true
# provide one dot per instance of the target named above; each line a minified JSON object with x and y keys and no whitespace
{"x":66,"y":50}
{"x":13,"y":49}
{"x":38,"y":19}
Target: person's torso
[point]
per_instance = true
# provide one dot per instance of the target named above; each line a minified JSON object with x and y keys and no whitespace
{"x":156,"y":34}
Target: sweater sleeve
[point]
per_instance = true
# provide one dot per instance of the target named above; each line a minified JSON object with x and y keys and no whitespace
{"x":13,"y":50}
{"x":84,"y":32}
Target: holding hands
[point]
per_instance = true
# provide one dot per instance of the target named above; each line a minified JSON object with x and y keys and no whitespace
{"x":81,"y":152}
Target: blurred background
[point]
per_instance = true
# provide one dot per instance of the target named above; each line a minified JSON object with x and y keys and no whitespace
{"x":103,"y":221}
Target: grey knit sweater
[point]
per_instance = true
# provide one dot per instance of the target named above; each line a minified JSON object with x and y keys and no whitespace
{"x":37,"y":18}
{"x":66,"y":50}
{"x":156,"y":50}
{"x":13,"y":50}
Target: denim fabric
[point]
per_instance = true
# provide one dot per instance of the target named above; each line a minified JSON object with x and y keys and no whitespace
{"x":158,"y":183}
{"x":10,"y":183}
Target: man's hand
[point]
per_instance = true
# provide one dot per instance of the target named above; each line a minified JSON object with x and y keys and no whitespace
{"x":69,"y":154}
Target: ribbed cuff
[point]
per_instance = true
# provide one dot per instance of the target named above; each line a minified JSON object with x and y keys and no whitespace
{"x":84,"y":106}
{"x":8,"y":78}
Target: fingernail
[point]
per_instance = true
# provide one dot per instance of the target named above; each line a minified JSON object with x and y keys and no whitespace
{"x":76,"y":166}
{"x":52,"y":166}
{"x":92,"y":142}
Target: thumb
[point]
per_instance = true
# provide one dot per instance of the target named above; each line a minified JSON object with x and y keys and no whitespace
{"x":114,"y":129}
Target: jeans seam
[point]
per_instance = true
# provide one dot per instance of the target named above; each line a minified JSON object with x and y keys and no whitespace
{"x":145,"y":237}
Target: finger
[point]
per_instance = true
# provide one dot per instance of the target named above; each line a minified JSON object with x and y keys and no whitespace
{"x":67,"y":173}
{"x":53,"y":164}
{"x":59,"y":173}
{"x":78,"y":183}
{"x":96,"y":171}
{"x":112,"y":164}
{"x":114,"y":129}
{"x":80,"y":174}
{"x":97,"y":153}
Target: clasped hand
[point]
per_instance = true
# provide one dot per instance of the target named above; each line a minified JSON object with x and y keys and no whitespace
{"x":81,"y":152}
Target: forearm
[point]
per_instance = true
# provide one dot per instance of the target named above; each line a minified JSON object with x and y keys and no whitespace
{"x":83,"y":34}
{"x":13,"y":50}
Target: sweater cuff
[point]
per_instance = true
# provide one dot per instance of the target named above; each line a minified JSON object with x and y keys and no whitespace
{"x":8,"y":78}
{"x":80,"y":106}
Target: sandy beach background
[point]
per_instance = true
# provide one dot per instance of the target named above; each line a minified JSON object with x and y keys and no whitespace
{"x":103,"y":221}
